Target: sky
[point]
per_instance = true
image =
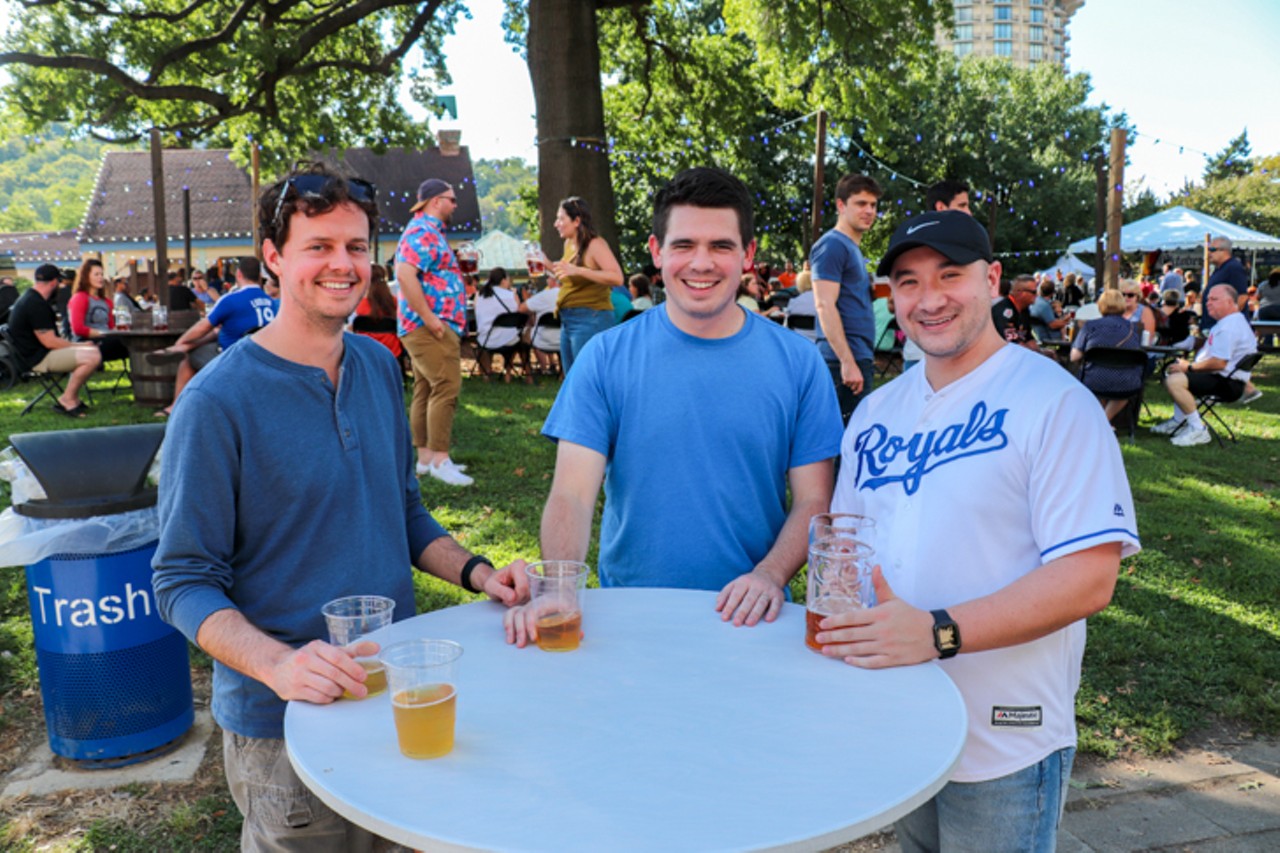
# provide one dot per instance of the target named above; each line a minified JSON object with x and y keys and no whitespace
{"x":1189,"y":74}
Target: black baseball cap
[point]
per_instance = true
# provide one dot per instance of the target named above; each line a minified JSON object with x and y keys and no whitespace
{"x":427,"y":190}
{"x":48,"y":272}
{"x":954,"y":234}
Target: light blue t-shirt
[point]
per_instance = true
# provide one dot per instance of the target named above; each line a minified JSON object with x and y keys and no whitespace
{"x":835,"y":257}
{"x":238,"y":313}
{"x":699,"y":436}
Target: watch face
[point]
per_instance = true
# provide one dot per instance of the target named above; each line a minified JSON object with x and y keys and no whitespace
{"x":946,"y":635}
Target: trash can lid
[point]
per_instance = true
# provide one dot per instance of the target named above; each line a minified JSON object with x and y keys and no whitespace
{"x":88,"y":472}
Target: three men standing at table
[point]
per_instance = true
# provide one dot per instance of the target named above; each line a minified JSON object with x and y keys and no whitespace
{"x":993,"y":542}
{"x":255,"y":539}
{"x":695,"y":462}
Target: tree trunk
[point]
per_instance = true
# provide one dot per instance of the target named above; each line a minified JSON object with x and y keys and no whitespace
{"x":564,"y":66}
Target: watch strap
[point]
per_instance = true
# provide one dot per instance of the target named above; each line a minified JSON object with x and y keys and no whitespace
{"x":946,"y":634}
{"x":464,"y":580}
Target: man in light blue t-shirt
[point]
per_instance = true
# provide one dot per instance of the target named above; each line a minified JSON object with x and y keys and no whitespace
{"x":842,"y":292}
{"x":696,"y":416}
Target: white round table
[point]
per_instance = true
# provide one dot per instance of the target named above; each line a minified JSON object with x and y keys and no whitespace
{"x":667,"y":730}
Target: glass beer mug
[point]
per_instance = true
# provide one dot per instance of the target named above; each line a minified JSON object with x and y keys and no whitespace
{"x":468,"y":258}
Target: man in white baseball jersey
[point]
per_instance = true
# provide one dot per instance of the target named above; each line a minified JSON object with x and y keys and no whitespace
{"x":993,"y":543}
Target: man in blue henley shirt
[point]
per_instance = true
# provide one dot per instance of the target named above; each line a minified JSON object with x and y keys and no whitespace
{"x":288,"y":481}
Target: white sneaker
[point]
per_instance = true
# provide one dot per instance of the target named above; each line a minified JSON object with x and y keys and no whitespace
{"x":1168,"y":427}
{"x":1249,"y":398}
{"x":1191,"y":436}
{"x":423,"y":468}
{"x":447,"y":472}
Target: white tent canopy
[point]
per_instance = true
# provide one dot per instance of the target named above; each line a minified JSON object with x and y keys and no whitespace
{"x":1181,"y":228}
{"x":1068,"y":264}
{"x":500,"y":249}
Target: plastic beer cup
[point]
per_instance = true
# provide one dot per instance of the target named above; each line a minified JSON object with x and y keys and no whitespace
{"x":349,"y":619}
{"x":555,"y":593}
{"x":424,"y":694}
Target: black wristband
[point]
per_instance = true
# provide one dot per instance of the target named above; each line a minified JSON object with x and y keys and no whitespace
{"x":464,"y":580}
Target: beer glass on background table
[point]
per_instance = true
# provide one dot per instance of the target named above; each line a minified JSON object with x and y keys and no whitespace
{"x":839,"y":573}
{"x":555,"y":600}
{"x":349,"y":619}
{"x":535,"y":260}
{"x":424,"y":694}
{"x":468,"y":257}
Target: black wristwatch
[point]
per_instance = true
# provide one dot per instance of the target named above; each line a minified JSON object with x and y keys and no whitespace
{"x":464,"y":579}
{"x":946,"y":634}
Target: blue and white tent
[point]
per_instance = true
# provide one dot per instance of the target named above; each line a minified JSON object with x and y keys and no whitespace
{"x":1181,"y":228}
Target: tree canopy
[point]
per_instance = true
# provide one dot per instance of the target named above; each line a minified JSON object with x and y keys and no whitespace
{"x":508,"y":194}
{"x":1251,"y":199}
{"x":1231,"y":162}
{"x":45,"y":185}
{"x":293,"y":75}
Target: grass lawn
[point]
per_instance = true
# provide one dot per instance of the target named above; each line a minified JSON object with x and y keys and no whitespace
{"x":1190,"y":639}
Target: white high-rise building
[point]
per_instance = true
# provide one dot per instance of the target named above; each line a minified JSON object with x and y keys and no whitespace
{"x":1024,"y":31}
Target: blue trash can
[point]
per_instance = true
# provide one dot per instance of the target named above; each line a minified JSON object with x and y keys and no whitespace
{"x":116,"y":680}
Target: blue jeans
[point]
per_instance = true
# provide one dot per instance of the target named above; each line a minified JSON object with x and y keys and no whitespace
{"x":847,"y":399}
{"x":1018,"y":813}
{"x":577,"y":326}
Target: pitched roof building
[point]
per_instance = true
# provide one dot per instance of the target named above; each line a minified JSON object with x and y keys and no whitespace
{"x":120,"y":223}
{"x":24,"y":251}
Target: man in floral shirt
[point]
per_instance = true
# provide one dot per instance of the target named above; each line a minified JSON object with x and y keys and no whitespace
{"x":431,"y":315}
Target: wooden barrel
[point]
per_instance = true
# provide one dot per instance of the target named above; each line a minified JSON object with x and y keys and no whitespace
{"x":153,"y":384}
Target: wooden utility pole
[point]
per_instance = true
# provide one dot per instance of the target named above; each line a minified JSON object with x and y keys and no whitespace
{"x":1100,"y":222}
{"x":186,"y":228}
{"x":1115,"y":207}
{"x":815,"y":224}
{"x":1204,"y":267}
{"x":162,"y":229}
{"x":253,"y":201}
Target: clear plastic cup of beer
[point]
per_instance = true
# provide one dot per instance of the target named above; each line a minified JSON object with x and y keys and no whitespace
{"x":839,"y":573}
{"x":555,"y":602}
{"x":422,"y":676}
{"x":349,"y":619}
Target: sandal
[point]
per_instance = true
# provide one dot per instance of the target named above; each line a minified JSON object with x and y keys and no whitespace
{"x":79,"y":411}
{"x":161,"y":357}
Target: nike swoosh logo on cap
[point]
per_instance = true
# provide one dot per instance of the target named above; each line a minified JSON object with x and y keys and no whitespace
{"x":914,"y":228}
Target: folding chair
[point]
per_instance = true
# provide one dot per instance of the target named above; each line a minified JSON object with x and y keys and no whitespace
{"x":50,"y":383}
{"x":363,"y":324}
{"x":888,"y":352}
{"x":507,"y":320}
{"x":1205,"y":405}
{"x":1120,"y":357}
{"x":549,"y":320}
{"x":803,"y":324}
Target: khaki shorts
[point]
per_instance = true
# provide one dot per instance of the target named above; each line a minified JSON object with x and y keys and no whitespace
{"x":58,"y":361}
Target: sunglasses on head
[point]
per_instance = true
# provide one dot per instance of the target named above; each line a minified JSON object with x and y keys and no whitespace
{"x":315,"y":186}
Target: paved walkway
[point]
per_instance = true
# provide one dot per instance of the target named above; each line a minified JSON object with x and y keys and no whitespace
{"x":1225,"y":799}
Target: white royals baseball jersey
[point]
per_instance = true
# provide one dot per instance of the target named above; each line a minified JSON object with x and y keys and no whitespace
{"x":972,"y":487}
